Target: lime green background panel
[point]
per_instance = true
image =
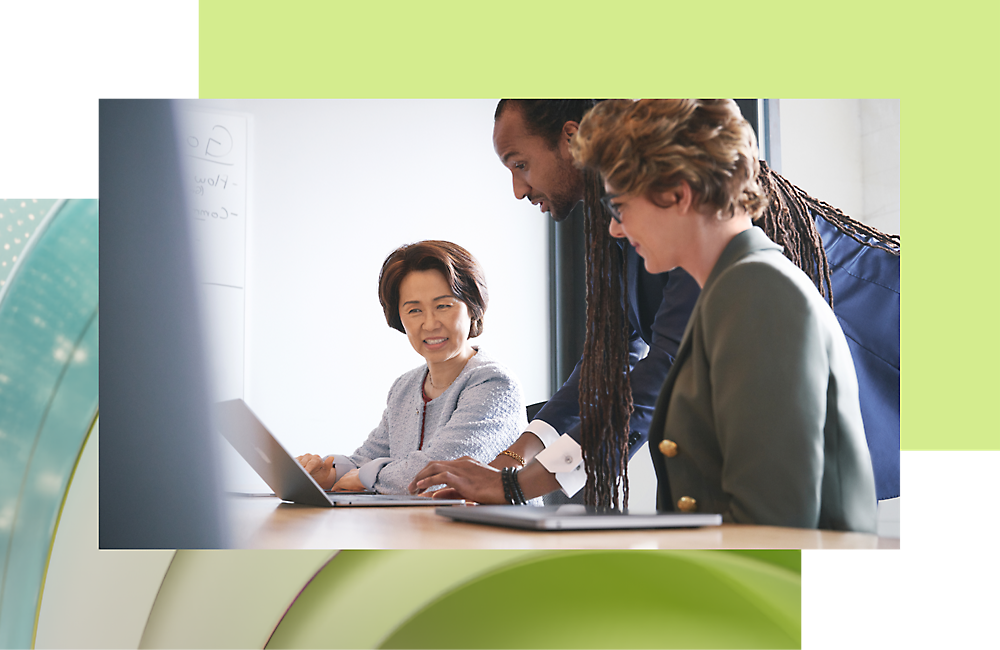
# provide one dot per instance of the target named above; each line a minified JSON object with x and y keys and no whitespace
{"x":48,"y":400}
{"x":524,"y":48}
{"x":927,"y":58}
{"x":547,"y":599}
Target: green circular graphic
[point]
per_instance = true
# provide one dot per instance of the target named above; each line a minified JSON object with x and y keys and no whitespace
{"x":549,"y":599}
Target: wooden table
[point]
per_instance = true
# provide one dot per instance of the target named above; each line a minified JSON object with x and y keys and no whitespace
{"x":269,"y":523}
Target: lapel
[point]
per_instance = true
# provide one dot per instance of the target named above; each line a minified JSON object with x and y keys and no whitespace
{"x":743,"y":244}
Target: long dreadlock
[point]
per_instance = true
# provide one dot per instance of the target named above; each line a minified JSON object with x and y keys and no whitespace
{"x":790,"y":220}
{"x":605,"y":390}
{"x":605,"y":394}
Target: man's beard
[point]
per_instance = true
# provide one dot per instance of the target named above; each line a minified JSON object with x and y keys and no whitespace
{"x":568,"y":192}
{"x":560,"y":209}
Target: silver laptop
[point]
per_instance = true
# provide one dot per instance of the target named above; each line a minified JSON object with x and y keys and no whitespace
{"x":289,"y":480}
{"x":576,"y":517}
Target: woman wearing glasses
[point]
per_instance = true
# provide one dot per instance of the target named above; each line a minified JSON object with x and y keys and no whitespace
{"x":759,"y":418}
{"x":459,"y":403}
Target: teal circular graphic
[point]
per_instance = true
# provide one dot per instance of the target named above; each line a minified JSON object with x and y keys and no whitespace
{"x":48,"y":398}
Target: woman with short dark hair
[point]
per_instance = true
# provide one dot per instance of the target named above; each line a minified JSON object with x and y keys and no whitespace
{"x":459,"y":403}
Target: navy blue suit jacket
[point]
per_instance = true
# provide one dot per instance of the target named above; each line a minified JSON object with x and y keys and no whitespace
{"x":866,"y":301}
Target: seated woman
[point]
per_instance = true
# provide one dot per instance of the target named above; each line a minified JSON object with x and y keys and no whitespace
{"x":460,"y":403}
{"x":759,"y":418}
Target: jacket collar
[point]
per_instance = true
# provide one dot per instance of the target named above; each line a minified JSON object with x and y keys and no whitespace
{"x":749,"y":241}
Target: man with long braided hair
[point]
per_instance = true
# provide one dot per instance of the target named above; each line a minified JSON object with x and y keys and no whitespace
{"x":606,"y":405}
{"x":635,"y":321}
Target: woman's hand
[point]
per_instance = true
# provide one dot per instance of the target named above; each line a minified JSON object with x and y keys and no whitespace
{"x":321,"y":470}
{"x":350,"y":482}
{"x":466,"y":478}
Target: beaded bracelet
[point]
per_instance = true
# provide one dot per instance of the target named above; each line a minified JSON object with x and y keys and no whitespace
{"x":511,"y":488}
{"x":505,"y":479}
{"x":518,"y":494}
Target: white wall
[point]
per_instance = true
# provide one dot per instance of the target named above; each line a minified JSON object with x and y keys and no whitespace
{"x":336,"y":185}
{"x":845,"y":152}
{"x":880,"y":162}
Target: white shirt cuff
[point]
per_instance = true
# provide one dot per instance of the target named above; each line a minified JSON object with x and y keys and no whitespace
{"x":543,"y":431}
{"x":565,"y":460}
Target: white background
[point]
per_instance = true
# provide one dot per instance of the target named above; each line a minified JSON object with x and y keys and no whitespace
{"x":335,"y":186}
{"x":58,"y":58}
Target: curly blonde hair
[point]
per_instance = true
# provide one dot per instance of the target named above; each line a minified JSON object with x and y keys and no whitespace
{"x":649,"y":146}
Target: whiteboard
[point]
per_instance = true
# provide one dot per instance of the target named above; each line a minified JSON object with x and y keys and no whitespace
{"x":214,"y":150}
{"x":214,"y":154}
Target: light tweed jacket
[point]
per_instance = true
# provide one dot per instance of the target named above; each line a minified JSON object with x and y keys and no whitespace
{"x":480,"y":414}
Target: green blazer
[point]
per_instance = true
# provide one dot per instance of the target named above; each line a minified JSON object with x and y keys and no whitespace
{"x":760,"y":410}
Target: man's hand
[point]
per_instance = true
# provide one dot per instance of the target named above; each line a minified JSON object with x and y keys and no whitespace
{"x":526,"y":447}
{"x":465,"y":478}
{"x":322,"y":471}
{"x":503,"y":460}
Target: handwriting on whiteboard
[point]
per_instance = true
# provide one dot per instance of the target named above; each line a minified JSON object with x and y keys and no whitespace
{"x":214,"y":148}
{"x":201,"y":181}
{"x":202,"y":214}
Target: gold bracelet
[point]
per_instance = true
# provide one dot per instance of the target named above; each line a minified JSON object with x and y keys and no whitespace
{"x":514,"y":456}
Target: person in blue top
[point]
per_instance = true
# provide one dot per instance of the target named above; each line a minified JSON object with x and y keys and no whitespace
{"x":629,"y":351}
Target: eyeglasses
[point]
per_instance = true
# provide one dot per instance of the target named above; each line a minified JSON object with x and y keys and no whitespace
{"x":612,"y":208}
